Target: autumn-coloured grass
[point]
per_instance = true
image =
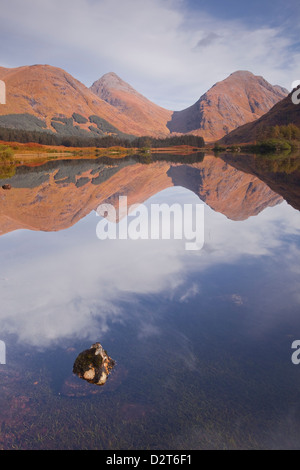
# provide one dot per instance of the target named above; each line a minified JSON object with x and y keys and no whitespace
{"x":35,"y":154}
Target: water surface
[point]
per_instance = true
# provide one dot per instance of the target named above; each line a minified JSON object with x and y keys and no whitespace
{"x":202,"y":339}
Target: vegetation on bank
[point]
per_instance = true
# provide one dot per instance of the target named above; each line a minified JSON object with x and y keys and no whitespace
{"x":270,"y":146}
{"x":277,"y":138}
{"x":47,"y":138}
{"x":271,"y":139}
{"x":263,"y":147}
{"x":289,"y":133}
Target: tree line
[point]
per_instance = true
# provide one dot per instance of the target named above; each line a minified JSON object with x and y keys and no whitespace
{"x":50,"y":138}
{"x":289,"y":132}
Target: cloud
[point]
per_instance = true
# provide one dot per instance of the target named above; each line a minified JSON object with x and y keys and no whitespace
{"x":208,"y":39}
{"x":154,"y":45}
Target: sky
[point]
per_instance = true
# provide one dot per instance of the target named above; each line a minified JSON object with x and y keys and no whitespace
{"x":171,"y":51}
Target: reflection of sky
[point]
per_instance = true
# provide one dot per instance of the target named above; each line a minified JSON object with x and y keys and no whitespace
{"x":69,"y":284}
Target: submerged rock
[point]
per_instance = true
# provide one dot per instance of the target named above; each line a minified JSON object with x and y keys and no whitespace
{"x":93,"y":365}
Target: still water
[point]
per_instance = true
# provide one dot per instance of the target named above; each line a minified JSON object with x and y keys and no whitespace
{"x":201,"y":339}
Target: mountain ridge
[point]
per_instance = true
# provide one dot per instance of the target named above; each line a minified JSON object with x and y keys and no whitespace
{"x":52,"y":94}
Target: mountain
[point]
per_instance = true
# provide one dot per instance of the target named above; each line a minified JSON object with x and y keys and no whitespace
{"x":240,"y":98}
{"x":283,"y":113}
{"x":128,"y":101}
{"x":46,"y":98}
{"x":58,"y":194}
{"x":52,"y":95}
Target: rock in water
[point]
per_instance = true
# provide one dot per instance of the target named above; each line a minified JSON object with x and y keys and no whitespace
{"x":93,"y":365}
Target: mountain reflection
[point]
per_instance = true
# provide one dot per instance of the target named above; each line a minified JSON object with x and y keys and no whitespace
{"x":280,"y":172}
{"x":56,"y":195}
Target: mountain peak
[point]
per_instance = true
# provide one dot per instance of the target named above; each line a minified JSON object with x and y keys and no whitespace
{"x":111,"y":80}
{"x":242,"y":73}
{"x":246,"y":75}
{"x":111,"y":76}
{"x":118,"y":93}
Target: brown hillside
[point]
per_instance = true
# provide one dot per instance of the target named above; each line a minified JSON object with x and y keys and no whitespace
{"x":240,"y":98}
{"x":46,"y":91}
{"x":283,"y":113}
{"x":128,"y":101}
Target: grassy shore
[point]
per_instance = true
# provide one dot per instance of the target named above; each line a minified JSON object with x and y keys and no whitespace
{"x":32,"y":152}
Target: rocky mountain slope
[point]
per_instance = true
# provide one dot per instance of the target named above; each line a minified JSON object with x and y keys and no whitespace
{"x":49,"y":94}
{"x":283,"y":113}
{"x":240,"y":98}
{"x":128,"y":101}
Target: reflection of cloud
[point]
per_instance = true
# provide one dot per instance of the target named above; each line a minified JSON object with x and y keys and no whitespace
{"x":256,"y":236}
{"x":147,"y":330}
{"x":237,"y":299}
{"x":190,"y":293}
{"x":74,"y":291}
{"x":69,"y":284}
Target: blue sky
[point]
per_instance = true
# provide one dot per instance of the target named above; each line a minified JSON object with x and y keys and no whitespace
{"x":172,"y":51}
{"x":273,"y":11}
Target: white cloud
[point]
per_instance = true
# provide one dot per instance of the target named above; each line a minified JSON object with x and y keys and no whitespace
{"x":150,"y":44}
